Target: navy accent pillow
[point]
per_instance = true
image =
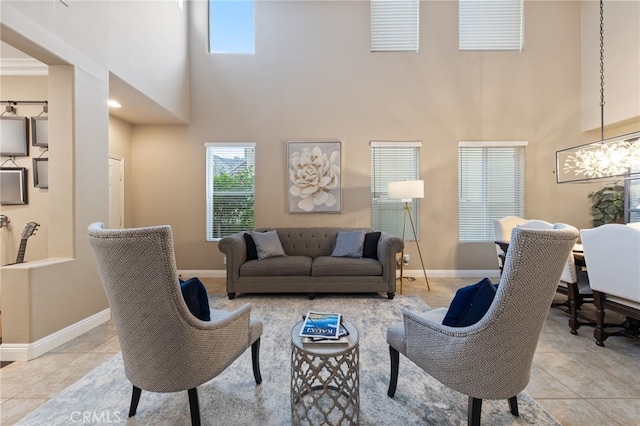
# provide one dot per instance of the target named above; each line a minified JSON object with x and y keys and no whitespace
{"x":470,"y":304}
{"x":252,"y":250}
{"x":195,"y":295}
{"x":370,"y":249}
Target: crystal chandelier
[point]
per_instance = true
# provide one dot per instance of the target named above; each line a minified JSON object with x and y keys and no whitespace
{"x":617,"y":157}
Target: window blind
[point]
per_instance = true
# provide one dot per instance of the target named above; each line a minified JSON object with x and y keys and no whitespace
{"x":490,"y":184}
{"x":391,"y":162}
{"x":394,"y":25}
{"x":230,"y":188}
{"x":490,"y":24}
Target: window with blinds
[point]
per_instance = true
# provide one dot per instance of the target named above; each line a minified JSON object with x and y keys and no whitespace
{"x":391,"y":162}
{"x":490,"y":24}
{"x":394,"y":25}
{"x":490,"y":185}
{"x":230,"y":188}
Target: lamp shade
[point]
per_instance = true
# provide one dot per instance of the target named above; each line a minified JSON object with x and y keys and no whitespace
{"x":406,"y":190}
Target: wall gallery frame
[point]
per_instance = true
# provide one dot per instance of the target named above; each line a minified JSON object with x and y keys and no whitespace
{"x":41,"y":172}
{"x":13,"y":185}
{"x":40,"y":131}
{"x":14,"y":136}
{"x":314,"y":180}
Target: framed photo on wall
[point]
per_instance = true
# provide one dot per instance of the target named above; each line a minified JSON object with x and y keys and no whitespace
{"x":14,"y":136}
{"x":41,"y":172}
{"x":13,"y":185}
{"x":40,"y":131}
{"x":314,"y":182}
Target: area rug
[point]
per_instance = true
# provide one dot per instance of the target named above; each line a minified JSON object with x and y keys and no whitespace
{"x":233,"y":398}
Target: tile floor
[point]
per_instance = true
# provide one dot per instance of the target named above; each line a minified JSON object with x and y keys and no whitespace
{"x":578,"y":382}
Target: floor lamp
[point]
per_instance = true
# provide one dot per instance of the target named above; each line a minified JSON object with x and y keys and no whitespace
{"x":406,"y":191}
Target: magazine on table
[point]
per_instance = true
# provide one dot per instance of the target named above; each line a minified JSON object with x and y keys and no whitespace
{"x":322,"y":325}
{"x":321,"y":342}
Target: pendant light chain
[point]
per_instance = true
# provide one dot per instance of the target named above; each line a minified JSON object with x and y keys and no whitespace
{"x":601,"y":69}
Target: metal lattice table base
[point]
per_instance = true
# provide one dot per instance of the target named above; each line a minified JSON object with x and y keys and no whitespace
{"x":325,"y":387}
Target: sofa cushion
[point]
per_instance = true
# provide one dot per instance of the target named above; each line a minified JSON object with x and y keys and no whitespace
{"x":267,"y":244}
{"x":325,"y":266}
{"x":470,"y":304}
{"x":349,"y":244}
{"x":370,"y":248}
{"x":277,"y":267}
{"x":252,"y":250}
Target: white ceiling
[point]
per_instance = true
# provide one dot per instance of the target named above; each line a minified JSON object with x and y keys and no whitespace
{"x":136,"y":107}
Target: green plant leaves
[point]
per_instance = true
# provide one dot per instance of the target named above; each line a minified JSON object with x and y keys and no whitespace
{"x":607,"y":205}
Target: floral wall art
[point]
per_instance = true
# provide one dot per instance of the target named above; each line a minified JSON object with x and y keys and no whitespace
{"x":314,"y":177}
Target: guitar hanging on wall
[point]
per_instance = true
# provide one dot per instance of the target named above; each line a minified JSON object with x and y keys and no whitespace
{"x":29,"y":230}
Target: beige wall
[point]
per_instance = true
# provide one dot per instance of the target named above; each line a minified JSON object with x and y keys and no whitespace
{"x":313,"y":77}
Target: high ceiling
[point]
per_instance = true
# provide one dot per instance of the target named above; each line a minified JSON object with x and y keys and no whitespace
{"x":136,"y":107}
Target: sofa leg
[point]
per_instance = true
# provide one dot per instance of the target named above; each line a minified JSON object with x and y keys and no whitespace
{"x":390,"y":295}
{"x":231,"y":296}
{"x":312,"y":296}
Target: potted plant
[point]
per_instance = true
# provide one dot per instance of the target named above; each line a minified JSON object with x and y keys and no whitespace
{"x":607,"y":205}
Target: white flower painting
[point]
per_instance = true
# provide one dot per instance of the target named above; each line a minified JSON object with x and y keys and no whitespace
{"x":314,"y":177}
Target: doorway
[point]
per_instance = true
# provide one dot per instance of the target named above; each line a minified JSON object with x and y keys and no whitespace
{"x":116,"y":192}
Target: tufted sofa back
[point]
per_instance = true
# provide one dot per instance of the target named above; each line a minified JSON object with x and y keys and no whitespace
{"x":311,"y":242}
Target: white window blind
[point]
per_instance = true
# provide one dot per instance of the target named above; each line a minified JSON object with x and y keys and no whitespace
{"x":230,"y":188}
{"x":491,"y":186}
{"x":394,"y":25}
{"x":391,"y":162}
{"x":490,"y":24}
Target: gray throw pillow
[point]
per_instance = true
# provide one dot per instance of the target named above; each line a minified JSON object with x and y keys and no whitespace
{"x":349,"y":244}
{"x":267,"y":244}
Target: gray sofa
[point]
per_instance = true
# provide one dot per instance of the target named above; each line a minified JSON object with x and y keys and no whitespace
{"x":308,"y":266}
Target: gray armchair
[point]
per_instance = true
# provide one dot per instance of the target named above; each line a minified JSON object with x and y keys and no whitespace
{"x":490,"y":359}
{"x":164,"y":347}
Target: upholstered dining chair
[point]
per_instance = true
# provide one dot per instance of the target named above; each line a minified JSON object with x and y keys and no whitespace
{"x":165,"y":348}
{"x":612,"y":255}
{"x":490,"y":359}
{"x":573,"y":283}
{"x":502,"y":229}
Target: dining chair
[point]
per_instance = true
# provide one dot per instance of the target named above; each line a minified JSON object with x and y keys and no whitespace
{"x":165,"y":348}
{"x":573,"y":283}
{"x":491,"y":358}
{"x":502,"y":231}
{"x":612,"y":254}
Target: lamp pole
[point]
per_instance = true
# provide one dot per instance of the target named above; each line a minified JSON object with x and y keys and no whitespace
{"x":407,"y":212}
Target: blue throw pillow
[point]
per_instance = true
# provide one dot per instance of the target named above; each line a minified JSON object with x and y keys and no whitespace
{"x":195,"y":295}
{"x":349,"y":244}
{"x":252,"y":250}
{"x":370,"y":247}
{"x":470,"y":304}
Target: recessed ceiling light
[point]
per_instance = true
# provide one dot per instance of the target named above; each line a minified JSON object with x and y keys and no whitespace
{"x":113,"y":103}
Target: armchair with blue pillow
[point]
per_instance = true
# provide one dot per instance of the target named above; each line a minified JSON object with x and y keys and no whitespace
{"x":483,"y":344}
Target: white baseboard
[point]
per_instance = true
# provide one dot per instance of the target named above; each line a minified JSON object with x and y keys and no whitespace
{"x":206,"y":273}
{"x":417,"y":273}
{"x":452,"y":273}
{"x":29,"y":351}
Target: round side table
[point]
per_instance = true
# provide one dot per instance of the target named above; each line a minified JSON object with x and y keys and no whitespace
{"x":325,"y":380}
